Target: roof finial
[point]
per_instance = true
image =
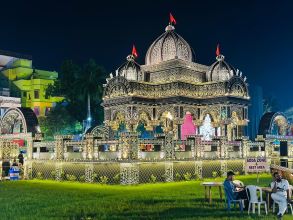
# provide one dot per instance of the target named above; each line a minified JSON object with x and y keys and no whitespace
{"x":133,"y":54}
{"x":172,"y":22}
{"x":219,"y":56}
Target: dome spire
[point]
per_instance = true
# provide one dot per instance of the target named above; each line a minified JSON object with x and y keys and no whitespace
{"x":133,"y":54}
{"x":172,"y":22}
{"x":219,"y":56}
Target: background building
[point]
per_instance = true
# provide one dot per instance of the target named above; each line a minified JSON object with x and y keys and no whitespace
{"x":28,"y":83}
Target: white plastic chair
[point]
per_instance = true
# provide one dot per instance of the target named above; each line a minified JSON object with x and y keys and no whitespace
{"x":289,"y":204}
{"x":255,"y":199}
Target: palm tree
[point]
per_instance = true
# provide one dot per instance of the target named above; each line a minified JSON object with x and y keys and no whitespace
{"x":90,"y":85}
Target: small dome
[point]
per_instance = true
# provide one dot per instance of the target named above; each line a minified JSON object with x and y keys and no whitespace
{"x":220,"y":70}
{"x":130,"y":69}
{"x":168,"y":46}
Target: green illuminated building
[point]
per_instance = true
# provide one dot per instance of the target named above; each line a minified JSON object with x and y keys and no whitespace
{"x":30,"y":83}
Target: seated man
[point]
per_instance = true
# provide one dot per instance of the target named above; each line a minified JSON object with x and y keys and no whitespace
{"x":280,"y":193}
{"x":235,"y":191}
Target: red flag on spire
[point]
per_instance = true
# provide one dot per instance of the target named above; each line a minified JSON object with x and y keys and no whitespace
{"x":172,"y":19}
{"x":134,"y":52}
{"x":218,"y":50}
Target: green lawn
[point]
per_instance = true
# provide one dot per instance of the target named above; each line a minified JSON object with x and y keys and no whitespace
{"x":40,"y":199}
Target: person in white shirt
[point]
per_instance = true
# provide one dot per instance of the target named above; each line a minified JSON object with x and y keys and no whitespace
{"x":280,"y":193}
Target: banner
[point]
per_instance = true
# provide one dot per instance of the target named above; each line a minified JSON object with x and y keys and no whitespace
{"x":256,"y":164}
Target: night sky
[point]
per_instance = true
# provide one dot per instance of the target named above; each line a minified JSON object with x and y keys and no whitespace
{"x":255,"y":36}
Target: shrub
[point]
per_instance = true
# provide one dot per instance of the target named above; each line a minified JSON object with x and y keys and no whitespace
{"x":177,"y":177}
{"x":214,"y":174}
{"x":187,"y":176}
{"x":53,"y":174}
{"x":82,"y":178}
{"x":95,"y":177}
{"x":153,"y":179}
{"x":70,"y":177}
{"x":116,"y":178}
{"x":196,"y":176}
{"x":39,"y":176}
{"x":104,"y":179}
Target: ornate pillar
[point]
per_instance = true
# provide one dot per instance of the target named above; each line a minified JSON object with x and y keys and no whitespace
{"x":198,"y":146}
{"x":59,"y":148}
{"x":28,"y":168}
{"x":128,"y":145}
{"x":169,"y":147}
{"x":134,"y":148}
{"x":223,"y":168}
{"x":59,"y":171}
{"x":168,"y":171}
{"x":193,"y":147}
{"x":96,"y":150}
{"x":198,"y":169}
{"x":269,"y":148}
{"x":29,"y":140}
{"x":89,"y":146}
{"x":89,"y":171}
{"x":244,"y":144}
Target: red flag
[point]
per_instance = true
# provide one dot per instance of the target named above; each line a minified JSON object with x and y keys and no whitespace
{"x":134,"y":52}
{"x":172,"y":19}
{"x":218,"y":50}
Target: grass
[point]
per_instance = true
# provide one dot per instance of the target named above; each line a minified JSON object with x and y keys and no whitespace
{"x":42,"y":199}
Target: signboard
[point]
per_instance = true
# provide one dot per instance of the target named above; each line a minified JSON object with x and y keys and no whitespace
{"x":256,"y":164}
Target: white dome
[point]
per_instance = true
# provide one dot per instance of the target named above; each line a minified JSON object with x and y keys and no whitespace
{"x":130,"y":69}
{"x":168,"y":46}
{"x":220,"y":70}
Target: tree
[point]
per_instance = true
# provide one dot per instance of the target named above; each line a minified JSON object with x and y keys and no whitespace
{"x":90,"y":84}
{"x":59,"y":121}
{"x":80,"y":86}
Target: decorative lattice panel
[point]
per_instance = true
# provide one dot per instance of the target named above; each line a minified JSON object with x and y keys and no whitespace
{"x":43,"y":170}
{"x":151,"y":172}
{"x":211,"y":168}
{"x":109,"y":170}
{"x":183,"y":170}
{"x":129,"y":173}
{"x":236,"y":166}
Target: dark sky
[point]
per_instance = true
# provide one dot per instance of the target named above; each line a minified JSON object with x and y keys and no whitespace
{"x":255,"y":36}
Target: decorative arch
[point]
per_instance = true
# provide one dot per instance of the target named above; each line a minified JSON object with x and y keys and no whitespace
{"x":237,"y":87}
{"x":118,"y":119}
{"x":214,"y":114}
{"x":275,"y":123}
{"x":117,"y":86}
{"x":98,"y":131}
{"x":19,"y":120}
{"x":144,"y":118}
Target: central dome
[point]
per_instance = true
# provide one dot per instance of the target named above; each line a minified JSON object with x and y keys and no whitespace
{"x":168,"y":46}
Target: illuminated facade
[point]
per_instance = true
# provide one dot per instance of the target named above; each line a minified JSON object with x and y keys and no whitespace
{"x":155,"y":97}
{"x":32,"y":83}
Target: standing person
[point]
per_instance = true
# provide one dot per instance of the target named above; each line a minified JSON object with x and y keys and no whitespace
{"x":20,"y":158}
{"x":14,"y":164}
{"x":280,"y":193}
